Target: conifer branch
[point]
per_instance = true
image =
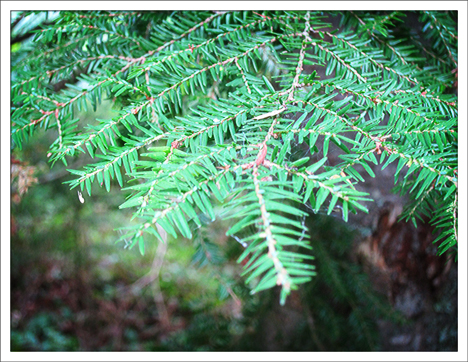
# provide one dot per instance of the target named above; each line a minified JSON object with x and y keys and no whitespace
{"x":182,"y":198}
{"x":421,"y":201}
{"x":193,"y":48}
{"x":306,"y":177}
{"x":439,"y":24}
{"x":57,"y":48}
{"x":282,"y":275}
{"x":206,"y":21}
{"x":394,"y":51}
{"x":243,"y":76}
{"x":105,"y":31}
{"x":214,"y":106}
{"x":428,"y":52}
{"x":385,"y":19}
{"x":299,"y":67}
{"x":411,"y":160}
{"x":370,"y":58}
{"x":337,"y":57}
{"x":51,"y":72}
{"x":103,"y":129}
{"x":118,"y":158}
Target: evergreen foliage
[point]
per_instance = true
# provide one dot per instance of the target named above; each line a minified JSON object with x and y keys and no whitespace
{"x":211,"y":107}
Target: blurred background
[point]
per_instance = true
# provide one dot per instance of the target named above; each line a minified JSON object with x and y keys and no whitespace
{"x":379,"y":284}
